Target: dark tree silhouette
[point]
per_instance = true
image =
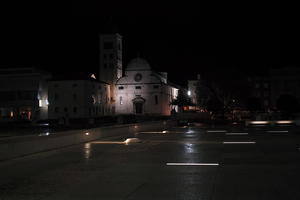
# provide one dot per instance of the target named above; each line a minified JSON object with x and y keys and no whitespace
{"x":287,"y":104}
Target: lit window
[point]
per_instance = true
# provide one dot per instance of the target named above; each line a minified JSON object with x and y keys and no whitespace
{"x":138,"y":87}
{"x":40,"y":103}
{"x":121,"y":100}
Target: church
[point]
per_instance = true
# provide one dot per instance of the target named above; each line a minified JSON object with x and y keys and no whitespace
{"x":138,"y":89}
{"x":143,"y":91}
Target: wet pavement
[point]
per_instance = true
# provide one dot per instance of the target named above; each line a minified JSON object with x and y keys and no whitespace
{"x":184,"y":163}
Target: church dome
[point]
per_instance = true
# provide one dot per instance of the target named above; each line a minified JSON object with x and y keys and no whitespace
{"x":138,"y":64}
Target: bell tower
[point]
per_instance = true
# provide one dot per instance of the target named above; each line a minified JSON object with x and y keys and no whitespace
{"x":110,"y":69}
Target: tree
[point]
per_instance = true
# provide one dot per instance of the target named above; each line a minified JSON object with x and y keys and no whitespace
{"x":182,"y":100}
{"x":254,"y":104}
{"x":287,"y":104}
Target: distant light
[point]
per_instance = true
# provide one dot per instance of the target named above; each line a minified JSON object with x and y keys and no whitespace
{"x":164,"y":131}
{"x":189,"y":93}
{"x":11,"y":114}
{"x":47,"y":102}
{"x":44,"y":134}
{"x":284,"y":122}
{"x":193,"y":164}
{"x":44,"y":124}
{"x":239,"y":142}
{"x":40,"y":103}
{"x":136,"y":126}
{"x":93,"y":76}
{"x":259,"y":122}
{"x":87,"y":133}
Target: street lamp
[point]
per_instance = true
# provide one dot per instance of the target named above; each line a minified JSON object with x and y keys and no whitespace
{"x":189,"y":93}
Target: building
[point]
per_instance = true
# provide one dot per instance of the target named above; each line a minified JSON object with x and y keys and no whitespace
{"x":78,"y":97}
{"x":143,"y":91}
{"x":23,"y":94}
{"x":193,"y":86}
{"x":284,"y":81}
{"x":260,"y":87}
{"x":271,"y":86}
{"x":111,"y":68}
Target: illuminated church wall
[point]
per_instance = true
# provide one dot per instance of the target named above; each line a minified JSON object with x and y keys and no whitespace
{"x":143,"y":91}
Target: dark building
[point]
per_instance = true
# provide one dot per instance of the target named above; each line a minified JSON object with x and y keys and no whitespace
{"x":23,"y":94}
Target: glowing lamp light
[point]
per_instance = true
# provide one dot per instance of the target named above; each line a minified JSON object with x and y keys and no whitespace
{"x":284,"y":122}
{"x":189,"y":93}
{"x":164,"y":131}
{"x":259,"y":122}
{"x":93,"y":76}
{"x":40,"y":103}
{"x":87,"y":133}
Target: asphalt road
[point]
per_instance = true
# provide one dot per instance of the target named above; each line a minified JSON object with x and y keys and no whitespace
{"x":186,"y":163}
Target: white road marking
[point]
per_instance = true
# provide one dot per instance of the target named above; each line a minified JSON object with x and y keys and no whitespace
{"x":236,"y":133}
{"x":277,"y":131}
{"x":239,"y":142}
{"x":216,"y":131}
{"x":193,"y":164}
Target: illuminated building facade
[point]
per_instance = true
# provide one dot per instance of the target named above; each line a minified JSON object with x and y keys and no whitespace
{"x":23,"y":94}
{"x":143,"y":91}
{"x":78,"y":98}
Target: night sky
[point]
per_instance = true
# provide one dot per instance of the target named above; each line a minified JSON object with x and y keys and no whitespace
{"x":216,"y":40}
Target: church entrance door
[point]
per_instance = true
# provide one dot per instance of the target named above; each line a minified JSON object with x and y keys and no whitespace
{"x":139,"y":108}
{"x":138,"y":105}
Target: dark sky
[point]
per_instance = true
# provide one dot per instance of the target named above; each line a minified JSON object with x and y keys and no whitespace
{"x":216,"y":40}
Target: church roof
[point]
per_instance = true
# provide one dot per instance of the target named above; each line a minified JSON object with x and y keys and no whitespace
{"x":138,"y":64}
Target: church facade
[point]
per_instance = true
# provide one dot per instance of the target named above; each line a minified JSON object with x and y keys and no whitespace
{"x":138,"y":89}
{"x":143,"y":91}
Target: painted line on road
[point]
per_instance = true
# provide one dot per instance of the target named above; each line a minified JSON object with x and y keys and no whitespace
{"x":239,"y":142}
{"x":192,"y":164}
{"x":236,"y":134}
{"x":277,"y":131}
{"x":216,"y":131}
{"x":107,"y":142}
